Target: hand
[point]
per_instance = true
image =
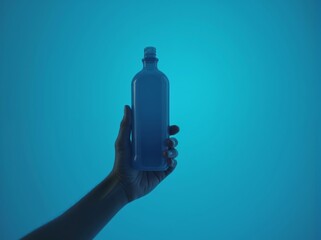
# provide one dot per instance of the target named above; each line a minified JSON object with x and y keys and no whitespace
{"x":137,"y":183}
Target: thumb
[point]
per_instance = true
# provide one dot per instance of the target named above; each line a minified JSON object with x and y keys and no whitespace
{"x":123,"y":139}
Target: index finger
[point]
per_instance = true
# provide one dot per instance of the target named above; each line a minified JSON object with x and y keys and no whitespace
{"x":173,"y":129}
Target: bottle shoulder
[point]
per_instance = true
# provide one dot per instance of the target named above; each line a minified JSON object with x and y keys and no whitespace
{"x":155,"y":74}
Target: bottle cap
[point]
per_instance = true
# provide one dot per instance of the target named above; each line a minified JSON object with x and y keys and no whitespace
{"x":149,"y":52}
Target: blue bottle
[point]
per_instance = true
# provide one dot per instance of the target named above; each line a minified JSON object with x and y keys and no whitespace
{"x":150,"y":106}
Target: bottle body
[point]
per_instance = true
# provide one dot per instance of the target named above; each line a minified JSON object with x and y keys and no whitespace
{"x":150,"y":106}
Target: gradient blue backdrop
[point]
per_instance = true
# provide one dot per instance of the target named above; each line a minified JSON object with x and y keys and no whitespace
{"x":245,"y":90}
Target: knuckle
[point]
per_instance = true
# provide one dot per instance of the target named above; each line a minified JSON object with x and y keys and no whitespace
{"x":120,"y":145}
{"x":117,"y":143}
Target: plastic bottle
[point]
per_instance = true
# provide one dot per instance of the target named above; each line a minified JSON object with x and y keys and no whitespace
{"x":150,"y":105}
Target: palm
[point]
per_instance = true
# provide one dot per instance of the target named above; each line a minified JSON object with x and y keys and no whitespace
{"x":147,"y":181}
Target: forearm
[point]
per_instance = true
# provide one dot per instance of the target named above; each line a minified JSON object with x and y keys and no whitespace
{"x":88,"y":216}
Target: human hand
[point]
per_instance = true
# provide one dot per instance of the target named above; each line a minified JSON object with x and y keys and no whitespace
{"x":134,"y":182}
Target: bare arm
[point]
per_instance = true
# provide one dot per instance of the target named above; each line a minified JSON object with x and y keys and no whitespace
{"x":88,"y":216}
{"x":124,"y":184}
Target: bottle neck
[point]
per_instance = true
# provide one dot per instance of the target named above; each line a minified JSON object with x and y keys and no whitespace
{"x":150,"y":63}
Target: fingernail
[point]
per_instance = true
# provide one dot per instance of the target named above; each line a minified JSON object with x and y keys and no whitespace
{"x":172,"y":153}
{"x":174,"y":162}
{"x":174,"y":141}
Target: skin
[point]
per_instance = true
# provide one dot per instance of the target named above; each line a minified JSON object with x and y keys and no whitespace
{"x":122,"y":185}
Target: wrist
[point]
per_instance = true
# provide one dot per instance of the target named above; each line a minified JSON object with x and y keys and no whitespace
{"x":118,"y":188}
{"x":124,"y":185}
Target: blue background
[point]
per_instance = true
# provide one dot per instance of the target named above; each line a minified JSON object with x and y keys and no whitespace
{"x":245,"y":90}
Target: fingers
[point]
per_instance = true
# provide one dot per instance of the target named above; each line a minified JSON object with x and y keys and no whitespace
{"x":171,"y":153}
{"x":172,"y":142}
{"x":171,"y":167}
{"x":172,"y":163}
{"x":173,"y":129}
{"x":123,"y":138}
